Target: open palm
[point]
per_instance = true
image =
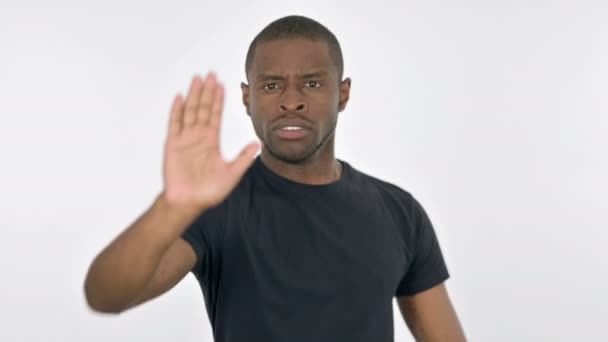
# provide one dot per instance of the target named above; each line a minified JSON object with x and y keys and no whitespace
{"x":194,"y":171}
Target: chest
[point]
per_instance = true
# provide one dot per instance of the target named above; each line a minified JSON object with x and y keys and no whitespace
{"x":316,"y":251}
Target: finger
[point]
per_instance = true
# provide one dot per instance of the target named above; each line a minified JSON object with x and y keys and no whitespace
{"x":175,"y":118}
{"x":192,"y":102}
{"x":217,"y":108}
{"x":206,"y":99}
{"x":244,"y":159}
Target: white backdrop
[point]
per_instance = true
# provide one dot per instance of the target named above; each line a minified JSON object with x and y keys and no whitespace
{"x":493,"y":113}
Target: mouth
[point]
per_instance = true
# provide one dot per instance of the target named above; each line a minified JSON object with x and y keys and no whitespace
{"x":292,"y":132}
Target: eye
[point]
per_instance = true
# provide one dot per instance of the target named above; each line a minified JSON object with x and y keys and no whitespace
{"x":270,"y":86}
{"x":313,"y":84}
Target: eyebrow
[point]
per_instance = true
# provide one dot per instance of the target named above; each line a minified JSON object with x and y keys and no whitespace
{"x":314,"y":74}
{"x":269,"y":77}
{"x":276,"y":77}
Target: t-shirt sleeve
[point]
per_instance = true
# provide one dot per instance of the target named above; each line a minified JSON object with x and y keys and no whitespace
{"x":427,"y":268}
{"x":205,"y":236}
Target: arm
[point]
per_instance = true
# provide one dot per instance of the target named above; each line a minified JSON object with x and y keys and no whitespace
{"x":143,"y":262}
{"x":431,"y":317}
{"x":173,"y":267}
{"x":149,"y":257}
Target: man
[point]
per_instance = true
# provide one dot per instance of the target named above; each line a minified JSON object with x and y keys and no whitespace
{"x":291,"y":245}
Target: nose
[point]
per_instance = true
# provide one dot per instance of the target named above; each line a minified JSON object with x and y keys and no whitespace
{"x":292,"y":101}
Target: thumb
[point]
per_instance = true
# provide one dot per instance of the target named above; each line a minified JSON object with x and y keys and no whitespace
{"x":244,"y":160}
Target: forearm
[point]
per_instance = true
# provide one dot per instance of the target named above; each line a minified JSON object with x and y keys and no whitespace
{"x":431,"y":317}
{"x":121,"y":271}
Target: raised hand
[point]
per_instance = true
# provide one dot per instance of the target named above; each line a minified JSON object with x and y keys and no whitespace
{"x":195,"y":173}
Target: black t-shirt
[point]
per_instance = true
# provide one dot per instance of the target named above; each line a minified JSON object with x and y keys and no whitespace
{"x":283,"y":261}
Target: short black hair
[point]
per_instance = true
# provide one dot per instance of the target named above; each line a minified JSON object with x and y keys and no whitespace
{"x":296,"y":26}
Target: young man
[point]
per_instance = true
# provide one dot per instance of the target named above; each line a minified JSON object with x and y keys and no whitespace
{"x":291,"y":245}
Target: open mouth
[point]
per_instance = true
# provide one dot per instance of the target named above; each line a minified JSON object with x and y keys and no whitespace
{"x":292,"y":132}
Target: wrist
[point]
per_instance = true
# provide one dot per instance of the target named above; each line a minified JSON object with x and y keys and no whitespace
{"x":174,"y":211}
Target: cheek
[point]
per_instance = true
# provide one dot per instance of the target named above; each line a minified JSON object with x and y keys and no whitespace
{"x":329,"y":99}
{"x":258,"y":113}
{"x":327,"y":104}
{"x":336,"y":100}
{"x":262,"y":105}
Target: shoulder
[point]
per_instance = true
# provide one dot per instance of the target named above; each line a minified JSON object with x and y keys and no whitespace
{"x":400,"y":202}
{"x":388,"y":190}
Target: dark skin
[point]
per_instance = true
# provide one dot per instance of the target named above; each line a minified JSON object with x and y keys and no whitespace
{"x":291,"y":80}
{"x":296,"y":79}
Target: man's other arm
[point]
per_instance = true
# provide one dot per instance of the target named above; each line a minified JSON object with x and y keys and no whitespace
{"x":431,"y":317}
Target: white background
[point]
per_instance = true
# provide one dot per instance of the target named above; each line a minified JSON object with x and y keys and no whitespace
{"x":492,"y":113}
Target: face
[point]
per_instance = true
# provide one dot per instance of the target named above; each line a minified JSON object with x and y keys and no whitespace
{"x":294,"y":97}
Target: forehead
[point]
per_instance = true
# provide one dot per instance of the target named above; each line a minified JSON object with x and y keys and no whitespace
{"x":291,"y":56}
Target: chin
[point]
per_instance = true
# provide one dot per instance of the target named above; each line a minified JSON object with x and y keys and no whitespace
{"x":291,"y":155}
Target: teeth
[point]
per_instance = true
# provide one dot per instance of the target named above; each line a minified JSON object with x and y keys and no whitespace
{"x":291,"y":128}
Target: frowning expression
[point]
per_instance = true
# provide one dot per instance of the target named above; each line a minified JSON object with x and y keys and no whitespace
{"x":294,"y":97}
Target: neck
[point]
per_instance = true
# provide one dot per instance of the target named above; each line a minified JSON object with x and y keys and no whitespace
{"x":321,"y":168}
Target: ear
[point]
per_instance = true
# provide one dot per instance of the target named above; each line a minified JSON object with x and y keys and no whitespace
{"x":245,"y":90}
{"x":344,"y":94}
